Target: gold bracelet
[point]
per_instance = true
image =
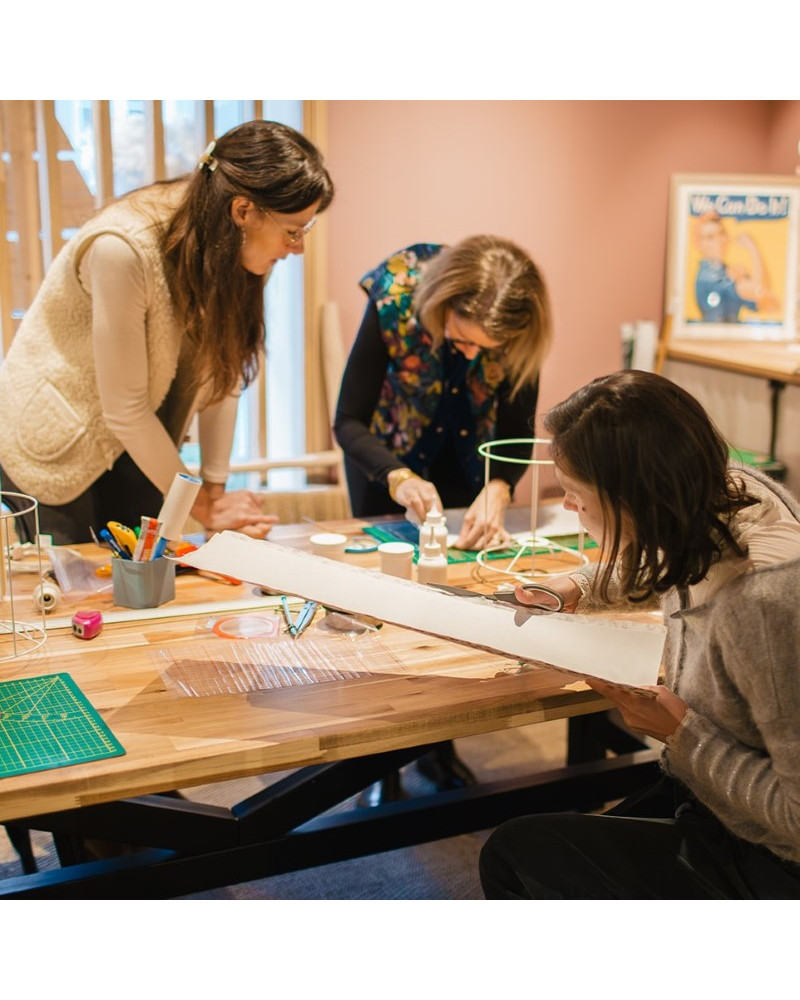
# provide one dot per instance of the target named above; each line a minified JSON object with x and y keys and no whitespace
{"x":399,"y":476}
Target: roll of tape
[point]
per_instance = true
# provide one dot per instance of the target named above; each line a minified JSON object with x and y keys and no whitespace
{"x":47,"y":597}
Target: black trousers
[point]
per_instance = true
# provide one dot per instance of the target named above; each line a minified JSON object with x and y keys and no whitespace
{"x":123,"y":494}
{"x":646,"y":848}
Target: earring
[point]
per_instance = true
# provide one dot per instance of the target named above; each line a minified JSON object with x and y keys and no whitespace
{"x":244,"y":235}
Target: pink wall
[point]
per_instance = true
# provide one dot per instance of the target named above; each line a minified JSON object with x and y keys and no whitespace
{"x":582,"y":185}
{"x":784,"y":134}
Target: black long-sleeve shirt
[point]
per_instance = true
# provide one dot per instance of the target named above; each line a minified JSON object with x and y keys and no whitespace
{"x":446,"y":454}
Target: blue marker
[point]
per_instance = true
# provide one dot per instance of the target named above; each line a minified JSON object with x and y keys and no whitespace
{"x":113,"y":544}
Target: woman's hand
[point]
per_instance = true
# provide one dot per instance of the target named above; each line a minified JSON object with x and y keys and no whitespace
{"x":568,"y":590}
{"x":234,"y":510}
{"x":657,"y":716}
{"x":484,"y":521}
{"x":418,"y":495}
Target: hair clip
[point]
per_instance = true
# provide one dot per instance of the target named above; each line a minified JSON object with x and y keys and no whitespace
{"x":207,"y":160}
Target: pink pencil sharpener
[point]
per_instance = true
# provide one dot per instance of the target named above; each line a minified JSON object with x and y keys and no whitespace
{"x":87,"y":624}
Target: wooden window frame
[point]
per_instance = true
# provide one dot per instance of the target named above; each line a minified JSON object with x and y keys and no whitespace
{"x":40,"y":216}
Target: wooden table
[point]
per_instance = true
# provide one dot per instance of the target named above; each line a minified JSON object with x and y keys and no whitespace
{"x":778,"y":363}
{"x":760,"y":359}
{"x":341,"y":735}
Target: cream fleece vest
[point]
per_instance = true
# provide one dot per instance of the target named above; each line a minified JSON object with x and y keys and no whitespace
{"x":55,"y":443}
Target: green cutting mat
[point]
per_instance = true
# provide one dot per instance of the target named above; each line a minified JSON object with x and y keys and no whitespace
{"x":404,"y":531}
{"x":47,"y":722}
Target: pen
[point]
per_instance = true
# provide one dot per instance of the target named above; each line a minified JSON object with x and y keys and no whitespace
{"x":113,"y":544}
{"x":305,"y":617}
{"x":147,"y":539}
{"x":288,"y":616}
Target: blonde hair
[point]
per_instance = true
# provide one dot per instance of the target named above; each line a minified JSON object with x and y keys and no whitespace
{"x":493,"y":283}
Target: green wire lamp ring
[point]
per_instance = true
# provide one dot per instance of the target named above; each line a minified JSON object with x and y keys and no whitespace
{"x":531,"y":544}
{"x":485,"y":450}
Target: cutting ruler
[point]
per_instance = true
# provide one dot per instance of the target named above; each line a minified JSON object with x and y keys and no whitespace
{"x":48,"y":722}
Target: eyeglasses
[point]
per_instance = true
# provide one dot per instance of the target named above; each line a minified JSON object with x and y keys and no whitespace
{"x":460,"y":342}
{"x":292,"y":236}
{"x":455,"y":342}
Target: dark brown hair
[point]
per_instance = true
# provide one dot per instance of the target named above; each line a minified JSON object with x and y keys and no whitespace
{"x":494,"y":283}
{"x":655,"y":459}
{"x":219,"y":302}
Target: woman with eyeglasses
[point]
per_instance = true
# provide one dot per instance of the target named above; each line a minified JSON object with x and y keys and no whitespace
{"x":447,"y":358}
{"x":718,"y":546}
{"x":151,"y":313}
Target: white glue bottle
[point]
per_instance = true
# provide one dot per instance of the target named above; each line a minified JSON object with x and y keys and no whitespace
{"x":432,"y":563}
{"x":436,"y":518}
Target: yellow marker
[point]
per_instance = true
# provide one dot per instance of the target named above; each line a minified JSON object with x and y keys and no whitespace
{"x":104,"y":570}
{"x":123,"y":535}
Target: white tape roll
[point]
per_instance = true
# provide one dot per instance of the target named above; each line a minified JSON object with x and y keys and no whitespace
{"x":178,"y":503}
{"x":47,"y":597}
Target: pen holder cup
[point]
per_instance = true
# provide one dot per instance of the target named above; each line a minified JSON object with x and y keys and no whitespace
{"x":143,"y":584}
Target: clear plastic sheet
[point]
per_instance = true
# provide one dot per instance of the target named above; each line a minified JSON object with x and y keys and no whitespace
{"x":74,"y":573}
{"x":204,"y":667}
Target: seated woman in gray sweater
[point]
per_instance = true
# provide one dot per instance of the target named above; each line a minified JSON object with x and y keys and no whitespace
{"x":719,"y":546}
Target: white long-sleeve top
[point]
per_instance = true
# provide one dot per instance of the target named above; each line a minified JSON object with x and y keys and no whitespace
{"x":112,"y":274}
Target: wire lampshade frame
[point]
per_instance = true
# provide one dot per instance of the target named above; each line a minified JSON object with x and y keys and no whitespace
{"x":17,"y":637}
{"x":532,"y":543}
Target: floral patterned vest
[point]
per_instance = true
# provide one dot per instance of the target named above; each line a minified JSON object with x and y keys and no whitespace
{"x":412,"y":386}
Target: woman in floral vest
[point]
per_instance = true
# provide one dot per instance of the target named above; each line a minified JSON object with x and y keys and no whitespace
{"x":447,"y":358}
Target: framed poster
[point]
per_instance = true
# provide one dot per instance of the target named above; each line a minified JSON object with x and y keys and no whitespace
{"x":732,"y":257}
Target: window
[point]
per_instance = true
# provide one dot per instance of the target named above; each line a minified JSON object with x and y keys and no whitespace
{"x":106,"y":148}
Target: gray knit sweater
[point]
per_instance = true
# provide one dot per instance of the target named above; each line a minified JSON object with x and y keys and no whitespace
{"x":735,"y":660}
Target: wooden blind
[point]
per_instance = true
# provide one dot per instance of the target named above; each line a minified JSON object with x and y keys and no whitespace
{"x":44,"y":197}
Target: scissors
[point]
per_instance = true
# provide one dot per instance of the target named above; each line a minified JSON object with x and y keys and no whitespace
{"x":304,"y":617}
{"x":545,"y":599}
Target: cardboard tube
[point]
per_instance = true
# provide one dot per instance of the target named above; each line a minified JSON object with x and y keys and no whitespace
{"x":178,"y":504}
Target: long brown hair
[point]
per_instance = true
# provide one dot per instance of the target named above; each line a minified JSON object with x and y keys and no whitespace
{"x":494,"y":283}
{"x":219,"y":302}
{"x":656,"y":459}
